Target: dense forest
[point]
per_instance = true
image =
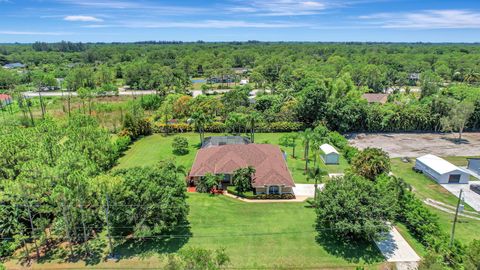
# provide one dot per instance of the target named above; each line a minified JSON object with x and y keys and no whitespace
{"x":297,"y":84}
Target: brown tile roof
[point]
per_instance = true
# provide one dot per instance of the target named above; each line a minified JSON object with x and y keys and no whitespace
{"x":5,"y":97}
{"x":375,"y":97}
{"x":267,"y":159}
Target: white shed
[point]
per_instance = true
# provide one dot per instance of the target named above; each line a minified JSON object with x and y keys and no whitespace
{"x":441,"y":170}
{"x":329,"y":154}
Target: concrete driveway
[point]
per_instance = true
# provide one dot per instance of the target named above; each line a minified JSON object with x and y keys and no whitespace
{"x":306,"y":190}
{"x":472,"y":198}
{"x":396,"y":249}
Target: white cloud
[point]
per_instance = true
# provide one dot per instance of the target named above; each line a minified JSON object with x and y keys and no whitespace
{"x":427,"y":19}
{"x":81,"y":18}
{"x":209,"y":24}
{"x":280,"y":7}
{"x":34,"y":33}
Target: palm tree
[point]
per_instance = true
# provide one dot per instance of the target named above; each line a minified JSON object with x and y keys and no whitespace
{"x":200,"y":120}
{"x":306,"y":136}
{"x":234,"y":121}
{"x":317,"y":175}
{"x":252,"y":119}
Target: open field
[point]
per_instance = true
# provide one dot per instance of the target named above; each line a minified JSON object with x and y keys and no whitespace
{"x":152,"y":149}
{"x":417,"y":144}
{"x":254,"y":235}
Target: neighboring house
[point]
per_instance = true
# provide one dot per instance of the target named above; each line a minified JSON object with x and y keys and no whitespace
{"x":14,"y":65}
{"x":244,"y":81}
{"x":441,"y":170}
{"x":271,"y":172}
{"x":240,"y":70}
{"x":224,"y":140}
{"x":376,"y":97}
{"x":329,"y":154}
{"x":474,"y":165}
{"x":5,"y":100}
{"x":414,"y":76}
{"x":221,"y":79}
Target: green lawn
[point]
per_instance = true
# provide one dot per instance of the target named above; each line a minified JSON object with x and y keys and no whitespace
{"x":261,"y":235}
{"x":152,"y":149}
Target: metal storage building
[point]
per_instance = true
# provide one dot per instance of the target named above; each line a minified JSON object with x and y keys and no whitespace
{"x":441,"y":170}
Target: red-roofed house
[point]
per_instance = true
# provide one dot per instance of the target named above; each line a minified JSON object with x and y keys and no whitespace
{"x":376,"y":97}
{"x":5,"y":100}
{"x":271,"y":172}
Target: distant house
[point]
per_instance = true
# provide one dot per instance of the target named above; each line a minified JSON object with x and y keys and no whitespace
{"x":414,"y":76}
{"x":329,"y":154}
{"x":241,"y":70}
{"x":474,"y":165}
{"x":224,"y":140}
{"x":271,"y":172}
{"x":441,"y":170}
{"x":376,"y":97}
{"x":244,"y":81}
{"x":14,"y":65}
{"x":221,"y":79}
{"x":5,"y":100}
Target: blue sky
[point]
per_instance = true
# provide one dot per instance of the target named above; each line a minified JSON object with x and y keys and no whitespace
{"x":240,"y":20}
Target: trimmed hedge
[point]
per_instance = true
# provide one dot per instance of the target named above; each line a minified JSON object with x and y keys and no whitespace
{"x":219,"y":127}
{"x":263,"y":196}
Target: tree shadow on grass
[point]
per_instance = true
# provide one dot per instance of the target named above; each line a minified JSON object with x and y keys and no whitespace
{"x":145,"y":248}
{"x":352,"y":251}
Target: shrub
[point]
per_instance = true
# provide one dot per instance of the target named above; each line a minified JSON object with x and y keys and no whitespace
{"x":180,"y":145}
{"x":175,"y":128}
{"x":338,"y":140}
{"x":371,"y":163}
{"x":207,"y":183}
{"x":217,"y":127}
{"x":122,"y":143}
{"x":150,"y":102}
{"x":136,"y":127}
{"x":280,"y":127}
{"x":349,"y":152}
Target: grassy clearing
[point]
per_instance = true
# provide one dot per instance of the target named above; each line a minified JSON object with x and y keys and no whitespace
{"x":465,"y":230}
{"x":152,"y":149}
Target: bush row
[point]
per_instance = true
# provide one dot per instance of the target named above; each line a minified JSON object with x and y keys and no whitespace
{"x":219,"y":127}
{"x":263,"y":196}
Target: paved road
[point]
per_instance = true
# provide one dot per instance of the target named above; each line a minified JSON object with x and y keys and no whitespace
{"x":59,"y":94}
{"x":396,"y":249}
{"x":472,"y":198}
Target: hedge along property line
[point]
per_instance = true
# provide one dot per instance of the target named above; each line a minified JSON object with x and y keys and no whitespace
{"x":219,"y":127}
{"x":263,"y":196}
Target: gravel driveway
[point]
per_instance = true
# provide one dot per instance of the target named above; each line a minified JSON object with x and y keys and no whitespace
{"x":418,"y":144}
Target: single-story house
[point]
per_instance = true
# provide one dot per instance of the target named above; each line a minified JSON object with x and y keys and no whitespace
{"x":474,"y":165}
{"x":271,"y":172}
{"x":329,"y":154}
{"x":5,"y":100}
{"x":14,"y":65}
{"x":376,"y":97}
{"x":441,"y":170}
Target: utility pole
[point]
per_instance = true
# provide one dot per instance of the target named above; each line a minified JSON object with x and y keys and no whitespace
{"x":107,"y":207}
{"x":456,"y":216}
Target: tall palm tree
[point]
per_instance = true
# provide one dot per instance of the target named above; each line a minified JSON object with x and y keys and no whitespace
{"x":317,"y":175}
{"x":306,"y":137}
{"x":252,"y":119}
{"x":200,"y":120}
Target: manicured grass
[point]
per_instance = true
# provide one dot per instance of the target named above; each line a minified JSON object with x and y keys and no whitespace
{"x":466,"y":229}
{"x":152,"y":149}
{"x":254,"y":235}
{"x":264,"y":235}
